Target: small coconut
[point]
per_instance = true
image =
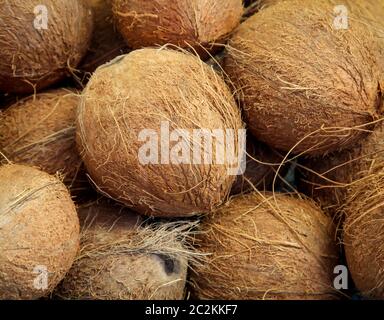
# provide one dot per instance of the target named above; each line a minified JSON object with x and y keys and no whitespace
{"x":39,"y":232}
{"x":315,"y":87}
{"x":197,"y":24}
{"x":41,"y":43}
{"x":121,"y":259}
{"x":327,"y":179}
{"x":266,"y":246}
{"x":106,"y":42}
{"x":364,"y":232}
{"x":40,"y":131}
{"x":139,"y":127}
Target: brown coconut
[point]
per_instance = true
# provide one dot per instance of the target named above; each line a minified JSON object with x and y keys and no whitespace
{"x":106,"y":42}
{"x":39,"y":232}
{"x":197,"y":24}
{"x":314,"y":88}
{"x":327,"y":179}
{"x":120,"y":259}
{"x":32,"y":58}
{"x":40,"y":131}
{"x":364,"y":232}
{"x":266,"y":246}
{"x":142,"y":91}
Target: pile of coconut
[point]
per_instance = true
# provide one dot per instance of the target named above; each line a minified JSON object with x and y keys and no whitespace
{"x":205,"y":149}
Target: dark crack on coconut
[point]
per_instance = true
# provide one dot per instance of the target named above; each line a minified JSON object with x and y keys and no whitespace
{"x":170,"y":265}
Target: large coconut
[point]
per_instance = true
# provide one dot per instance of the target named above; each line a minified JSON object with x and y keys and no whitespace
{"x":119,"y":259}
{"x":39,"y":232}
{"x":314,"y":86}
{"x":41,"y":42}
{"x":364,"y":232}
{"x":106,"y":42}
{"x":40,"y":131}
{"x":197,"y":24}
{"x":327,"y":179}
{"x":130,"y":153}
{"x":266,"y":246}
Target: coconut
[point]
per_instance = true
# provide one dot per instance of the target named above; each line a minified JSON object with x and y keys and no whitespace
{"x":197,"y":24}
{"x":39,"y":232}
{"x":364,"y":232}
{"x":327,"y":179}
{"x":266,"y":246}
{"x":41,"y":43}
{"x":263,"y":167}
{"x":315,"y":88}
{"x":106,"y":42}
{"x":139,"y":127}
{"x":121,"y":259}
{"x":40,"y":131}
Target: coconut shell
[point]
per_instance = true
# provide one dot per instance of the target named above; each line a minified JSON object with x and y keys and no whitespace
{"x":33,"y":58}
{"x":39,"y":229}
{"x":306,"y":95}
{"x":40,"y":131}
{"x":106,"y":42}
{"x":142,"y":91}
{"x":327,"y":179}
{"x":197,"y":24}
{"x":265,"y":246}
{"x":364,"y":232}
{"x":119,"y":259}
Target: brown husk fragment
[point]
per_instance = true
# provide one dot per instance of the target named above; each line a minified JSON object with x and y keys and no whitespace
{"x":142,"y":91}
{"x":40,"y":131}
{"x":33,"y":59}
{"x":122,"y":259}
{"x":306,"y":87}
{"x":266,"y":246}
{"x":197,"y":24}
{"x":39,"y":232}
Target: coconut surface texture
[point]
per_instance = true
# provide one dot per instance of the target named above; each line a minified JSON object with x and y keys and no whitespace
{"x":123,"y":135}
{"x":327,"y":179}
{"x":120,"y":259}
{"x":41,"y":43}
{"x":197,"y":24}
{"x":314,"y":87}
{"x":266,"y":246}
{"x":364,"y":232}
{"x":106,"y":42}
{"x":39,"y":232}
{"x":41,"y":131}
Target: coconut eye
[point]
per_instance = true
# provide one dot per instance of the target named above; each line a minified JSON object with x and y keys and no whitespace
{"x":170,"y":265}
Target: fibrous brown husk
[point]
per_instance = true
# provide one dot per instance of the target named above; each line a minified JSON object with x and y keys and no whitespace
{"x":327,"y":179}
{"x":364,"y":232}
{"x":199,"y":24}
{"x":142,"y":91}
{"x":40,"y":131}
{"x":106,"y":42}
{"x":121,"y":259}
{"x":306,"y":86}
{"x":33,"y":58}
{"x":263,"y":167}
{"x":39,"y":232}
{"x":266,"y":246}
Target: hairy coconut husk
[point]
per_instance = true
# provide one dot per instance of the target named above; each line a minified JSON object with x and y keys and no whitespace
{"x":32,"y":59}
{"x":364,"y":232}
{"x":106,"y":42}
{"x":40,"y":131}
{"x":327,"y":179}
{"x":266,"y":246}
{"x":314,"y":89}
{"x":121,"y":259}
{"x":253,"y":6}
{"x":197,"y":24}
{"x":140,"y":91}
{"x":264,"y":166}
{"x":39,"y":230}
